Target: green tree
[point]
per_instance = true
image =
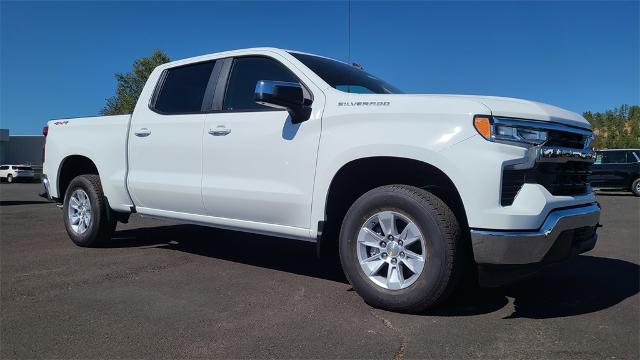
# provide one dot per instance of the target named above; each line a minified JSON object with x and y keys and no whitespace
{"x":130,"y":84}
{"x":616,"y":128}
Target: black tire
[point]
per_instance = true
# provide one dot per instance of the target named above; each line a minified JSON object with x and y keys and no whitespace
{"x":101,"y":225}
{"x":442,"y":235}
{"x":9,"y":178}
{"x":635,"y":187}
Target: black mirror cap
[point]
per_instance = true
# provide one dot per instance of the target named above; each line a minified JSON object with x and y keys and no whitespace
{"x":283,"y":95}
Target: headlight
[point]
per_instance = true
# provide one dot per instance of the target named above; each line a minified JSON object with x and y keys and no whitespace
{"x":516,"y":132}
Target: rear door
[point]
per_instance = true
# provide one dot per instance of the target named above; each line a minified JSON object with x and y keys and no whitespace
{"x":165,"y":141}
{"x":259,"y":167}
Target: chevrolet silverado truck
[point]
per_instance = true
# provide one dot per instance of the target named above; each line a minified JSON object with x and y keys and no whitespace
{"x":414,"y":192}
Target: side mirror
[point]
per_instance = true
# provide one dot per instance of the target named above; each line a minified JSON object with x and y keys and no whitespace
{"x":283,"y":95}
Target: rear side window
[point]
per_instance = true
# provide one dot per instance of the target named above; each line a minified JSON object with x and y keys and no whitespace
{"x":245,"y":74}
{"x":4,"y":167}
{"x":183,"y":88}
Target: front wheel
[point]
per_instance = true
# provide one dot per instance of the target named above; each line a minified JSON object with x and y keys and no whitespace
{"x":86,"y":216}
{"x":635,"y":187}
{"x":398,"y":248}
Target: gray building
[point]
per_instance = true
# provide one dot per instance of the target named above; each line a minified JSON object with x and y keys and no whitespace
{"x":21,"y":149}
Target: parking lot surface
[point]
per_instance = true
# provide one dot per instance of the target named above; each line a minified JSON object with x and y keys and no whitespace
{"x":165,"y":290}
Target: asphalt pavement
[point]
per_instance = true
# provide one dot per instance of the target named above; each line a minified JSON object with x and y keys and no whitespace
{"x":166,"y":290}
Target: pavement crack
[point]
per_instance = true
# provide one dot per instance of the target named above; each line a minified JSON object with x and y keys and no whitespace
{"x":399,"y":355}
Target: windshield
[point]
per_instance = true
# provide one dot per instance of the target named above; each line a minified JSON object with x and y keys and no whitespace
{"x":345,"y":77}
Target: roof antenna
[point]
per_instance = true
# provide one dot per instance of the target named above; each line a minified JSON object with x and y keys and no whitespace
{"x":354,"y":64}
{"x":349,"y":30}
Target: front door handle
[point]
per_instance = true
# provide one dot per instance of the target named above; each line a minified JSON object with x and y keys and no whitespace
{"x":220,"y":130}
{"x":143,"y":132}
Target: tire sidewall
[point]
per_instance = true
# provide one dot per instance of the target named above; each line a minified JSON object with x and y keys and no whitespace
{"x":434,"y":272}
{"x":88,"y":238}
{"x":634,"y":187}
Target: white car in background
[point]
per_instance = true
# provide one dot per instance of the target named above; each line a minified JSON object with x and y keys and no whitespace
{"x":11,"y":173}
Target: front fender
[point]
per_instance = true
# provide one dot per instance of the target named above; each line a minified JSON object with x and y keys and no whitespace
{"x":327,"y":170}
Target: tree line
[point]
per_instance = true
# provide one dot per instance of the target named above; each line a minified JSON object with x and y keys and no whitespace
{"x":616,"y":128}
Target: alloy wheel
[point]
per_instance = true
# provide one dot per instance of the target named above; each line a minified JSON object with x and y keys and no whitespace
{"x":79,"y":212}
{"x":391,"y":250}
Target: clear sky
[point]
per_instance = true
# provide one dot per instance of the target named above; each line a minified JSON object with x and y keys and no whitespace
{"x":58,"y":59}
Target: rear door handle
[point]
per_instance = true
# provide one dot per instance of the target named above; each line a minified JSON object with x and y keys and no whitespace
{"x":220,"y":130}
{"x":143,"y":132}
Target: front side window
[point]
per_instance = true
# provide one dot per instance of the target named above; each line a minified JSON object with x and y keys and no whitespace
{"x":245,"y":74}
{"x":344,"y":77}
{"x":183,"y":88}
{"x":598,"y":159}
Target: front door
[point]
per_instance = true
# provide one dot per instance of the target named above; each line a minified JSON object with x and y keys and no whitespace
{"x":258,"y":166}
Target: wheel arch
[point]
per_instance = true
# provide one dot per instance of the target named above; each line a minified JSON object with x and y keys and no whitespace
{"x":72,"y":166}
{"x":366,"y":171}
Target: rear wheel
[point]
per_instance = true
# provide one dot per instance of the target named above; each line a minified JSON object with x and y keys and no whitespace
{"x":9,"y":178}
{"x":635,"y":187}
{"x":86,"y":214}
{"x":398,"y":248}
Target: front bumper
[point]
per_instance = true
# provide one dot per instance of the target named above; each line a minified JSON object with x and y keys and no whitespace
{"x":504,"y":256}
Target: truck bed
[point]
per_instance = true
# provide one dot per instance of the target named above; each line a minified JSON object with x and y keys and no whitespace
{"x":103,"y":139}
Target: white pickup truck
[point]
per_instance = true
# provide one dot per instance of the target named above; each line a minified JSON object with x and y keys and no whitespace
{"x":414,"y":191}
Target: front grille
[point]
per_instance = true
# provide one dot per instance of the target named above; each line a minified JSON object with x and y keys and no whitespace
{"x":512,"y":181}
{"x":569,"y":178}
{"x":565,"y":139}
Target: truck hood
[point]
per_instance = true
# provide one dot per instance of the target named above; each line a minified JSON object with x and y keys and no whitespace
{"x":524,"y":109}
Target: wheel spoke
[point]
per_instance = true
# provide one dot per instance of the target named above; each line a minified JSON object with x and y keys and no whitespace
{"x":413,"y":263}
{"x":81,"y":225}
{"x":394,"y":277}
{"x":372,"y":264}
{"x":368,"y":237}
{"x":73,"y":202}
{"x":75,"y":219}
{"x":83,"y":197}
{"x":387,"y":223}
{"x":410,"y":234}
